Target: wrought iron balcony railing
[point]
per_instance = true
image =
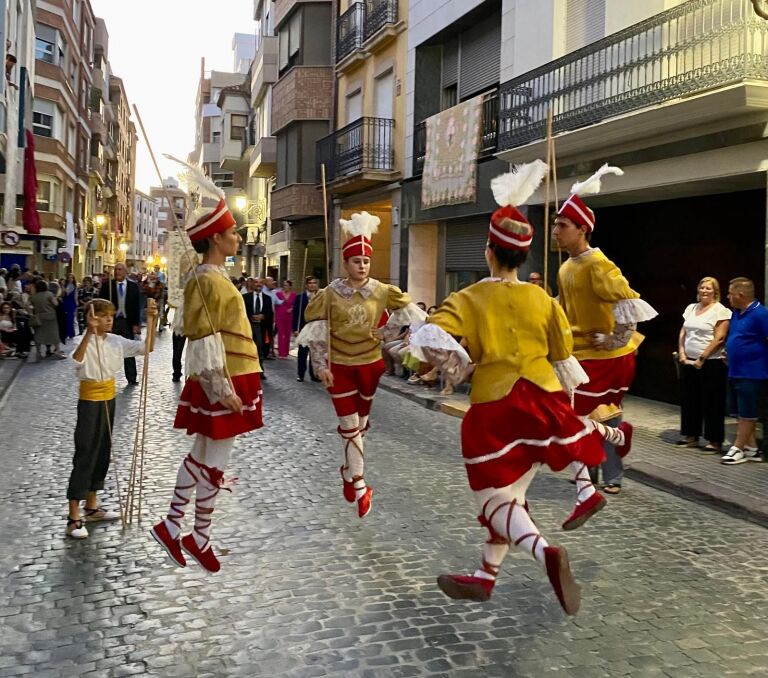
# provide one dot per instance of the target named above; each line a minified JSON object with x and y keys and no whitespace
{"x":362,"y":146}
{"x":379,"y":13}
{"x":691,"y":48}
{"x":349,"y":30}
{"x":489,"y":126}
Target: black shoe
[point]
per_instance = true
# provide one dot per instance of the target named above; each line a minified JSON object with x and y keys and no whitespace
{"x":300,"y":379}
{"x":263,"y":376}
{"x":133,"y":383}
{"x":315,"y":379}
{"x":176,"y":378}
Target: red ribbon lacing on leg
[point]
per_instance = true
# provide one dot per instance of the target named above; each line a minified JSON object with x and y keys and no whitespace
{"x":349,"y":435}
{"x":579,"y":477}
{"x":176,"y":512}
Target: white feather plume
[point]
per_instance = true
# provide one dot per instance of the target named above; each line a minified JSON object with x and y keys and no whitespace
{"x":592,"y":185}
{"x":361,"y":223}
{"x":515,"y":187}
{"x":196,"y":180}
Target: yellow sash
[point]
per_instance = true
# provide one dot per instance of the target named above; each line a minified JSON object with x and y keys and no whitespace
{"x":97,"y":390}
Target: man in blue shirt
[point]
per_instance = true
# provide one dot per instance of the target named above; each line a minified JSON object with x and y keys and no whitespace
{"x":747,"y":350}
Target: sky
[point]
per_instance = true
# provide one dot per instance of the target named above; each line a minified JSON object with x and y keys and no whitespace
{"x":155,"y":46}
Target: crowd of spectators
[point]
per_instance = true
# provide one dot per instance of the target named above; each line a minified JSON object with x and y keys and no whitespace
{"x":43,"y":313}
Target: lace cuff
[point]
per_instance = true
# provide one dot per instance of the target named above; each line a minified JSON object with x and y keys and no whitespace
{"x":206,"y":360}
{"x":410,"y":315}
{"x":634,"y":311}
{"x":570,"y":373}
{"x":314,"y":335}
{"x":432,"y":344}
{"x":620,"y":337}
{"x":215,"y":385}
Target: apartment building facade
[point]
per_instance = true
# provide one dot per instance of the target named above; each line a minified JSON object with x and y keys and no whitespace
{"x":173,"y":206}
{"x":61,"y":125}
{"x":674,"y":92}
{"x":144,"y":243}
{"x":265,"y":250}
{"x":301,"y":113}
{"x":363,"y":158}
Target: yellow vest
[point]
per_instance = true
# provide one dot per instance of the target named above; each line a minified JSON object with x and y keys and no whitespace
{"x":354,"y":317}
{"x":512,"y":330}
{"x":226,"y":309}
{"x":589,"y":285}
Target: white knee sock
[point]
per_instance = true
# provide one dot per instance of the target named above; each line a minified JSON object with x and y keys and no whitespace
{"x":210,"y":479}
{"x":584,"y":487}
{"x":186,"y":480}
{"x":511,"y":521}
{"x":349,"y":429}
{"x":493,"y":556}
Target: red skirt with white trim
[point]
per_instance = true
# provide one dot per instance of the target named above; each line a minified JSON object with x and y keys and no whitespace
{"x":196,"y":414}
{"x":609,"y":381}
{"x":501,"y":440}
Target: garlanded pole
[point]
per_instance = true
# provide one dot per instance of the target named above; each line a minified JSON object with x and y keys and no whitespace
{"x":327,"y":257}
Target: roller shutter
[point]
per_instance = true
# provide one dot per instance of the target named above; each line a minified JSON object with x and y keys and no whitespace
{"x":465,"y":245}
{"x":480,"y":57}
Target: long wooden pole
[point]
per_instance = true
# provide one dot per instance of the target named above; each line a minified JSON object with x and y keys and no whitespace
{"x":327,"y":259}
{"x":178,"y":227}
{"x":546,"y":204}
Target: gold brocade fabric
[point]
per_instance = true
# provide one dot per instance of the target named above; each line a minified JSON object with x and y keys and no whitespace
{"x":589,"y":286}
{"x":227,"y":316}
{"x":512,"y":331}
{"x":97,"y":391}
{"x":354,"y":319}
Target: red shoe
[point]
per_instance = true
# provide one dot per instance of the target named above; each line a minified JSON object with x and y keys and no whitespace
{"x":207,"y":559}
{"x":465,"y":587}
{"x":349,"y":487}
{"x":561,"y":578}
{"x":364,"y":503}
{"x":627,"y":428}
{"x":172,"y":546}
{"x":584,"y":511}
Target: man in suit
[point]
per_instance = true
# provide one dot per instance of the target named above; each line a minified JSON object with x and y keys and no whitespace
{"x":124,"y":294}
{"x":299,"y":304}
{"x":261,"y":314}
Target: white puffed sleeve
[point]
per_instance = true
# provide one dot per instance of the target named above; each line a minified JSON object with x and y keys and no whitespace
{"x":570,"y":373}
{"x":633,"y":311}
{"x":206,"y":360}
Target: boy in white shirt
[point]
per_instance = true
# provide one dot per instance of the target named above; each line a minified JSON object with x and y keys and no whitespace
{"x":98,"y":356}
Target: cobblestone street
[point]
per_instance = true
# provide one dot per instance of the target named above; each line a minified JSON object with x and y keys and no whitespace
{"x":670,"y":588}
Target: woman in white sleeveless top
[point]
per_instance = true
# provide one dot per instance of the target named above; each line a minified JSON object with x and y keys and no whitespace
{"x":703,"y":372}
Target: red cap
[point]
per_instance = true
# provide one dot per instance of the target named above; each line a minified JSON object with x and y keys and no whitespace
{"x":510,"y":229}
{"x":575,"y":210}
{"x":217,"y":221}
{"x":357,"y":246}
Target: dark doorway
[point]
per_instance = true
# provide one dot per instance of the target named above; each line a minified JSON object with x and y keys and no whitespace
{"x":664,"y":248}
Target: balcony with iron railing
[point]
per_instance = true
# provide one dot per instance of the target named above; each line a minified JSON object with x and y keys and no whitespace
{"x":359,"y":155}
{"x":489,"y":125}
{"x":690,"y":55}
{"x":363,"y":28}
{"x":350,"y":30}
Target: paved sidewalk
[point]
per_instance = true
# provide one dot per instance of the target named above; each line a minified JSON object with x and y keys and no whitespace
{"x":9,"y":368}
{"x":740,"y":490}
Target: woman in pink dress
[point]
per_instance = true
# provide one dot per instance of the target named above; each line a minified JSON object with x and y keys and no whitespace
{"x":284,"y":318}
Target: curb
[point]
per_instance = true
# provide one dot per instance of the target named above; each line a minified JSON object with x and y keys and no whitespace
{"x":700,"y":491}
{"x":5,"y":384}
{"x":687,"y":487}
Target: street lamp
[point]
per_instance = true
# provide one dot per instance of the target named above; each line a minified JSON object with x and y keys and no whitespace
{"x":241,"y":202}
{"x":163,"y":261}
{"x":100,"y":220}
{"x":123,"y":247}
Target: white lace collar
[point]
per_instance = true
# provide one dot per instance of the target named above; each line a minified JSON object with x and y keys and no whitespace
{"x":586,"y":252}
{"x":339,"y":285}
{"x":201,"y":269}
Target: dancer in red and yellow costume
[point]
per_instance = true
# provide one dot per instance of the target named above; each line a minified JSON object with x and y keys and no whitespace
{"x":221,"y":398}
{"x":348,"y":311}
{"x":603,"y":312}
{"x":520,"y":416}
